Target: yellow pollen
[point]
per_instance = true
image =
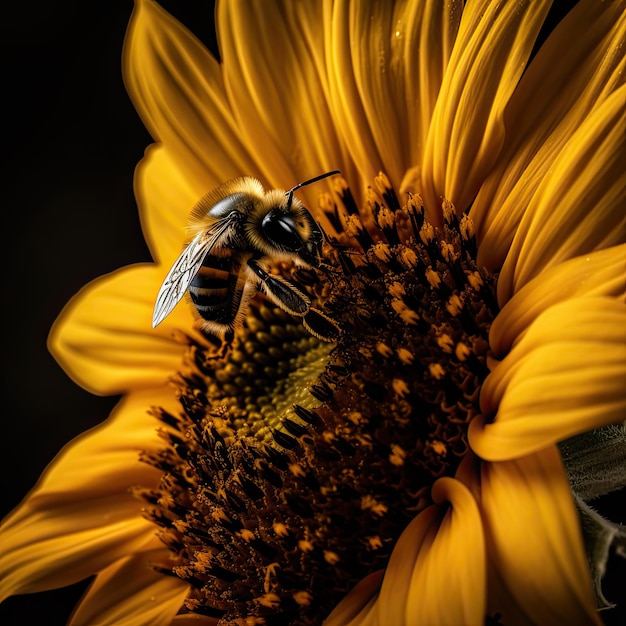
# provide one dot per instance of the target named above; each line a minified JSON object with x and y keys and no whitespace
{"x":382,"y":252}
{"x":405,"y":356}
{"x":373,"y":505}
{"x":397,"y":455}
{"x":353,"y":225}
{"x":446,"y":343}
{"x":331,"y":557}
{"x":397,"y":290}
{"x":297,"y":470}
{"x":408,"y":315}
{"x":384,"y":349}
{"x":356,"y":417}
{"x":305,"y":545}
{"x":436,"y":371}
{"x":438,"y":447}
{"x":454,"y":305}
{"x":302,"y":598}
{"x":467,"y":227}
{"x":375,"y":543}
{"x":475,"y":280}
{"x":280,"y":529}
{"x":448,"y":251}
{"x":270,"y":600}
{"x":400,"y":387}
{"x":427,"y":233}
{"x":382,"y":182}
{"x":462,"y":351}
{"x":433,"y":277}
{"x":408,"y":258}
{"x":372,"y":198}
{"x":448,"y":210}
{"x":386,"y":218}
{"x":246,"y":535}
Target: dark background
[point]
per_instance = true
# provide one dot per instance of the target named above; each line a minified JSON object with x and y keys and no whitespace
{"x":71,"y":141}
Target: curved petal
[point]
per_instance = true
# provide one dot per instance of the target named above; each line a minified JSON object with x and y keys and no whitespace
{"x":600,"y":273}
{"x":560,"y":88}
{"x":534,"y":542}
{"x":419,"y":581}
{"x":104,"y":338}
{"x":385,"y":64}
{"x":81,"y":516}
{"x":177,"y":88}
{"x":356,"y":608}
{"x":274,"y":72}
{"x":579,"y":205}
{"x":132,"y":593}
{"x":565,"y":376}
{"x":467,"y":130}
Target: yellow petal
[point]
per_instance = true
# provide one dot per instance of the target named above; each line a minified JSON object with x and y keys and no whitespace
{"x":534,"y":542}
{"x":565,"y":376}
{"x":165,"y":196}
{"x":81,"y":516}
{"x":436,"y":573}
{"x":600,"y":273}
{"x":573,"y":73}
{"x":274,"y":72}
{"x":385,"y":64}
{"x":356,"y":608}
{"x":467,"y":129}
{"x":132,"y":593}
{"x":579,"y":205}
{"x":104,"y":338}
{"x":177,"y":88}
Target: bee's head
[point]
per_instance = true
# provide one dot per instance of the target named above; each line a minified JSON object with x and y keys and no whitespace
{"x":292,"y":229}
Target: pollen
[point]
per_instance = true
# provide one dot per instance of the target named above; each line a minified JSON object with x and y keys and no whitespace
{"x":293,"y":465}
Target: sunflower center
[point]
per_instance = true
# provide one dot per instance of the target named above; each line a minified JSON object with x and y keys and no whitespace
{"x":294,"y":465}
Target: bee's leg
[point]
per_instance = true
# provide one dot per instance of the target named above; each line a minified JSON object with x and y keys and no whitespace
{"x":284,"y":293}
{"x":320,"y":325}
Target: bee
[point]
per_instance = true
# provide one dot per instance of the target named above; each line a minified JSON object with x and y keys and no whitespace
{"x":238,"y":230}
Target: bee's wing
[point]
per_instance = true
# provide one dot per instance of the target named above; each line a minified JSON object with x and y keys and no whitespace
{"x":185,"y":268}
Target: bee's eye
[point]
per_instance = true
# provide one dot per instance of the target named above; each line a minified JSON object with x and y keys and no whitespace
{"x":281,"y":230}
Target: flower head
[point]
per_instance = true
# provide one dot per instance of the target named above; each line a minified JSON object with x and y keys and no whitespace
{"x":407,"y":471}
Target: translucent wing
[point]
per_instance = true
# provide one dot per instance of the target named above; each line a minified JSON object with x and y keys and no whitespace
{"x":185,"y":268}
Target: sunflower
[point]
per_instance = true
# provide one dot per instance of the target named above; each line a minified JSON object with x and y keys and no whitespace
{"x":408,"y":472}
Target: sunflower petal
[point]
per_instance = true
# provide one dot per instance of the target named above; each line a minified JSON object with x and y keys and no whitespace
{"x":104,"y":338}
{"x":386,"y":64}
{"x":165,"y":197}
{"x":467,"y":130}
{"x":562,"y":85}
{"x":534,"y":542}
{"x":418,"y":579}
{"x":600,"y":273}
{"x":132,"y":593}
{"x":579,"y":206}
{"x":177,"y":88}
{"x":564,"y":376}
{"x":295,"y":134}
{"x":81,"y":516}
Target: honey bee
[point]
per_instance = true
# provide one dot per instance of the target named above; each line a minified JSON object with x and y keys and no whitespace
{"x":238,"y":230}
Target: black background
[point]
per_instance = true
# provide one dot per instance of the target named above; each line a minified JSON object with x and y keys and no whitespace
{"x":71,"y":140}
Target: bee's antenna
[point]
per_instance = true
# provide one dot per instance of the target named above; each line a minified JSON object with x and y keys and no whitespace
{"x":308,"y":182}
